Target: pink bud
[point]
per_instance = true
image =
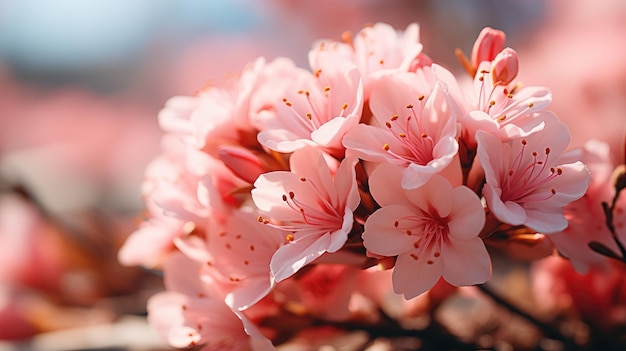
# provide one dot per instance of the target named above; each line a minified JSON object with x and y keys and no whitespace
{"x":504,"y":67}
{"x":243,"y":162}
{"x":488,"y":44}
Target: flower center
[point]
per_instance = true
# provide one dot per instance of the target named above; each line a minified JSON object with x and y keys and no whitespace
{"x":429,"y":230}
{"x":316,"y":216}
{"x":417,"y":144}
{"x":528,"y":175}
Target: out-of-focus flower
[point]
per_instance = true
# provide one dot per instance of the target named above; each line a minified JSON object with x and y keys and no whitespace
{"x":587,"y":221}
{"x":598,"y":296}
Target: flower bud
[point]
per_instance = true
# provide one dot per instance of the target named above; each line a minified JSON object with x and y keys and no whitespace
{"x":243,"y":162}
{"x":488,"y":44}
{"x":504,"y":67}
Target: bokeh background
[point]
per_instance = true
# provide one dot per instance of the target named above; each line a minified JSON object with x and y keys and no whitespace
{"x":81,"y":83}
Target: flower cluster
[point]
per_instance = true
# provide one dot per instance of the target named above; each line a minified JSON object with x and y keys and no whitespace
{"x":315,"y":192}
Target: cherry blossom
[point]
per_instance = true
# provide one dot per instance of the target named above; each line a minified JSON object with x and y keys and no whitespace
{"x":526,"y":184}
{"x":317,"y":109}
{"x":433,"y":230}
{"x":585,"y":216}
{"x":312,"y":205}
{"x":192,"y":313}
{"x":414,"y":132}
{"x":375,"y":48}
{"x":236,"y":255}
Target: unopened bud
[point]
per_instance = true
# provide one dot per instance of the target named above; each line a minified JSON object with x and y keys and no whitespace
{"x":504,"y":67}
{"x":488,"y":44}
{"x":242,"y":162}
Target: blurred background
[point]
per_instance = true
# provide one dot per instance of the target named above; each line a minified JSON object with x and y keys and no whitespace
{"x":81,"y":83}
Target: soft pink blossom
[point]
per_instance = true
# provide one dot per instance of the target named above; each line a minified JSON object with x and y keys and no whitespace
{"x":236,"y":255}
{"x":505,"y":109}
{"x":192,"y":313}
{"x":375,"y":48}
{"x":587,"y":221}
{"x":598,"y":296}
{"x":526,"y":184}
{"x":317,"y":109}
{"x":432,"y":229}
{"x":313,"y":206}
{"x":415,"y":128}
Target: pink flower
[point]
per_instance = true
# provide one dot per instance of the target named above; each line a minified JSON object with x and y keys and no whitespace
{"x":236,"y":254}
{"x":433,"y":230}
{"x":598,"y":296}
{"x":309,"y":203}
{"x":505,"y":109}
{"x":192,"y":313}
{"x":317,"y":109}
{"x":414,"y":132}
{"x":374,"y":49}
{"x":525,"y":182}
{"x":585,"y":216}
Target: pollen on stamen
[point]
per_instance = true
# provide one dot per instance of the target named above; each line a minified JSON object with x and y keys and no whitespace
{"x":284,"y":197}
{"x":238,"y":236}
{"x":553,"y":191}
{"x":547,"y":151}
{"x":309,"y":115}
{"x":388,"y":124}
{"x":246,"y":262}
{"x":430,"y":261}
{"x":437,"y":254}
{"x":481,"y":78}
{"x":559,"y":171}
{"x":317,"y":72}
{"x":530,"y":104}
{"x":409,"y":106}
{"x":501,"y":118}
{"x":287,"y":102}
{"x":534,"y":153}
{"x":408,"y":232}
{"x":289,"y":238}
{"x":292,"y":195}
{"x":251,"y":247}
{"x":326,"y":89}
{"x":303,"y":179}
{"x":402,"y":135}
{"x":414,"y":256}
{"x":381,"y":61}
{"x":420,"y":98}
{"x":386,"y":147}
{"x":424,"y":135}
{"x":394,"y":117}
{"x":524,"y":142}
{"x":416,"y":244}
{"x":344,"y":106}
{"x":491,"y":103}
{"x":510,"y":96}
